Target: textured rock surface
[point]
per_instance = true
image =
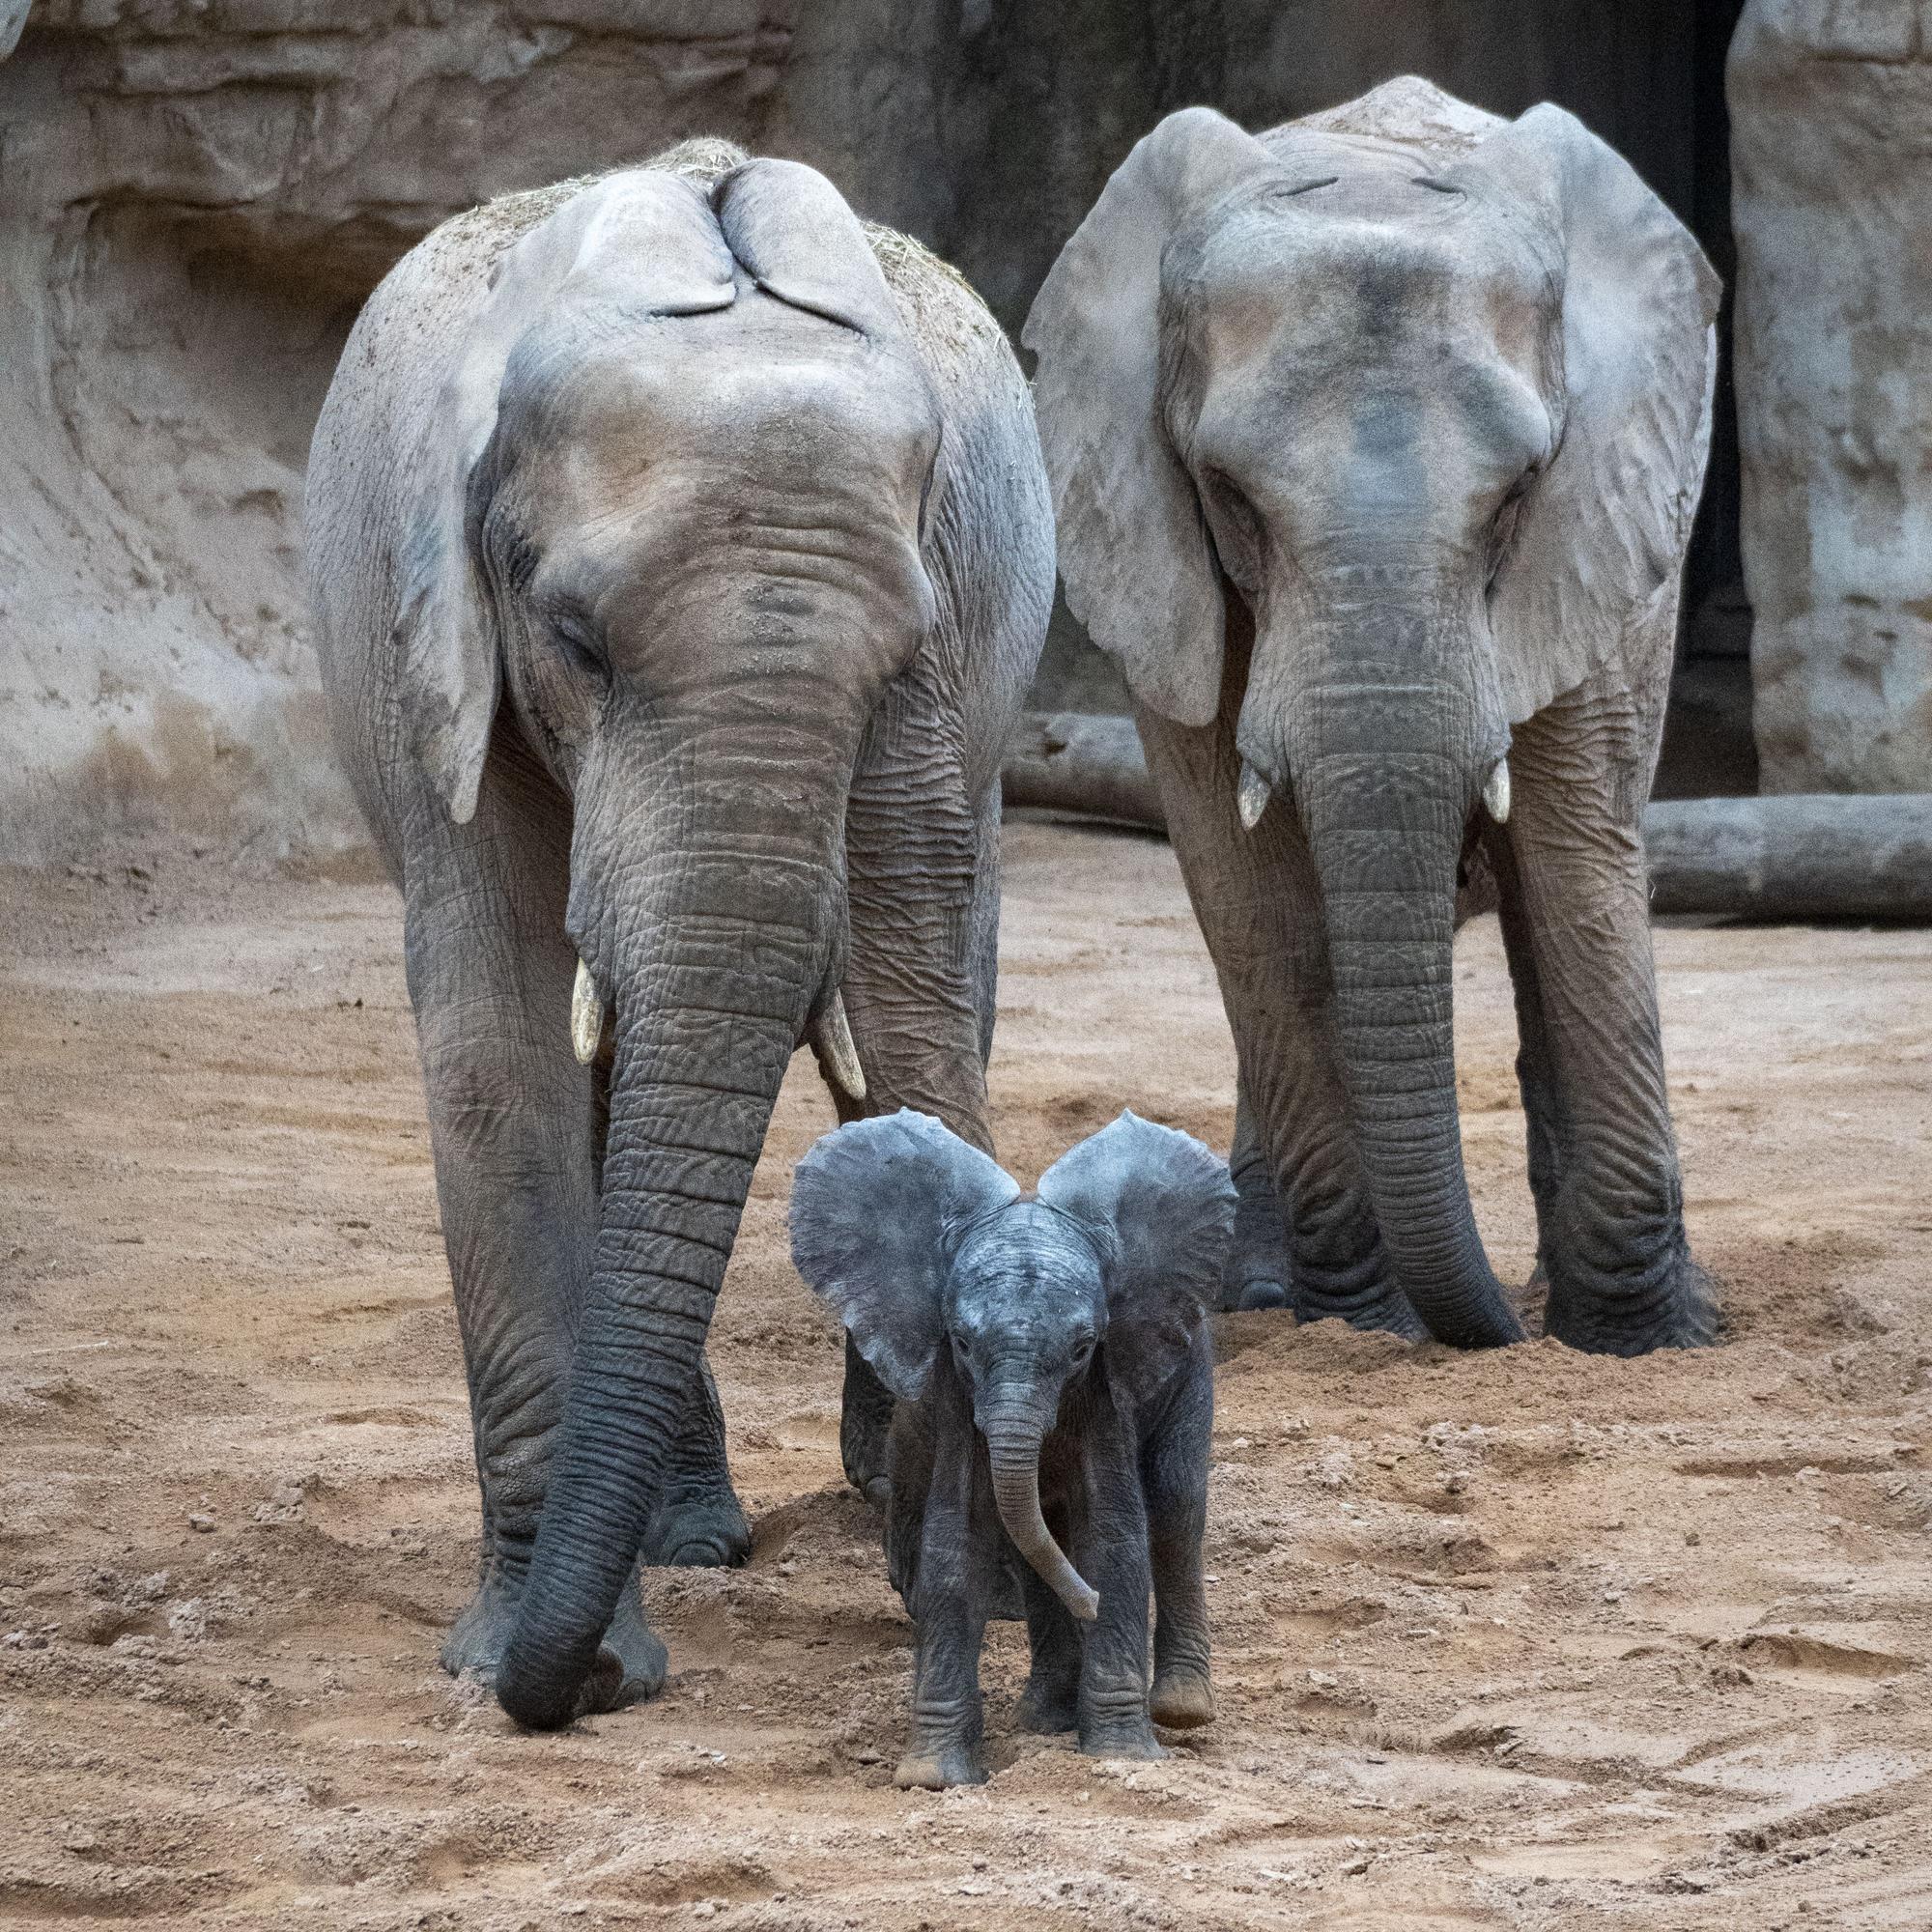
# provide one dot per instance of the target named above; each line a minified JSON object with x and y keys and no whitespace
{"x":1832,"y":148}
{"x":196,"y":195}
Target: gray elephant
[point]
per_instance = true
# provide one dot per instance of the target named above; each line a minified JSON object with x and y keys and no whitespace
{"x":1374,"y":442}
{"x":1056,"y":1390}
{"x":680,"y":555}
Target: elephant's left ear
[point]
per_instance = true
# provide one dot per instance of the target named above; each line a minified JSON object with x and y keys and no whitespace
{"x":656,"y":233}
{"x":1602,"y":533}
{"x":877,"y":1210}
{"x":1161,"y":1208}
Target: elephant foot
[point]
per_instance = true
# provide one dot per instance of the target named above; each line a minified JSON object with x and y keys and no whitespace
{"x":1183,"y":1698}
{"x":1387,"y":1311}
{"x":699,"y":1533}
{"x":1680,"y":1312}
{"x":940,"y":1769}
{"x":1135,"y":1741}
{"x":1048,"y":1706}
{"x":1256,"y":1290}
{"x":631,"y":1660}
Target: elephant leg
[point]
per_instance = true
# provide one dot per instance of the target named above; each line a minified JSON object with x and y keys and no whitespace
{"x":958,"y":1551}
{"x":700,"y":1519}
{"x":1051,"y":1699}
{"x":1609,"y":1200}
{"x":1256,"y":1273}
{"x":513,"y":1131}
{"x":1547,"y":1124}
{"x":922,"y":890}
{"x":1173,"y":1476}
{"x":1259,"y":902}
{"x":1114,"y":1719}
{"x":864,"y":1417}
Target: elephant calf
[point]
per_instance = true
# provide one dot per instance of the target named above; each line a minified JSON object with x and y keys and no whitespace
{"x":1055,"y":1382}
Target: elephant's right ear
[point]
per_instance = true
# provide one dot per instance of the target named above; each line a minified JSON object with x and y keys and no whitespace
{"x":660,"y":231}
{"x":1134,"y":552}
{"x":877,"y":1208}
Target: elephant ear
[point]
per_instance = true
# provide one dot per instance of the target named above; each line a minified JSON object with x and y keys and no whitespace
{"x":1161,"y":1210}
{"x":877,"y":1210}
{"x":1603,"y":530}
{"x":652,"y":238}
{"x":1139,"y":568}
{"x":800,"y":241}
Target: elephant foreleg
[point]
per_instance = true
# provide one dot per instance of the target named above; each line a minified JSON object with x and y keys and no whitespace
{"x":922,"y":894}
{"x":959,"y":1541}
{"x":1174,"y":1475}
{"x":701,"y":1521}
{"x":1256,"y":1273}
{"x":1114,"y":1557}
{"x":1609,"y":1200}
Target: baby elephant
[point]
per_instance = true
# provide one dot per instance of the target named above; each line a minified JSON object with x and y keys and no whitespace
{"x":1055,"y":1381}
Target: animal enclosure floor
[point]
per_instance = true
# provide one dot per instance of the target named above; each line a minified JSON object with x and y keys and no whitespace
{"x":1520,"y":1640}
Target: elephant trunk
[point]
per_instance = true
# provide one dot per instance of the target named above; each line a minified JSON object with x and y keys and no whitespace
{"x":1388,"y":758}
{"x":707,"y":897}
{"x":1014,"y":1429}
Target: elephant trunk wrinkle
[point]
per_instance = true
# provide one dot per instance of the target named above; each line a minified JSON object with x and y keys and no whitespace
{"x":1385,"y":827}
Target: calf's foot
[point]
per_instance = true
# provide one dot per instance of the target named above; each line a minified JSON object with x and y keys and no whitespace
{"x":1183,"y":1698}
{"x":939,"y":1769}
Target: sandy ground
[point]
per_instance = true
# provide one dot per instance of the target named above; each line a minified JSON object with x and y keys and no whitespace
{"x":1524,"y":1640}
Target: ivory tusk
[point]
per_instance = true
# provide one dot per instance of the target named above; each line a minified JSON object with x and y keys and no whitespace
{"x":833,"y":1036}
{"x":1252,"y":799}
{"x":586,"y":1015}
{"x":1496,"y":793}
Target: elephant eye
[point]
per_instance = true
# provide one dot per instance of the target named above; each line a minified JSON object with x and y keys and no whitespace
{"x":1233,"y":525}
{"x":1502,"y":530}
{"x":574,"y":630}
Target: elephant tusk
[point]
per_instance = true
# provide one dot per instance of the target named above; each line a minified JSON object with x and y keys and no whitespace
{"x":1496,"y":793}
{"x":1252,"y":799}
{"x":586,"y":1015}
{"x":832,"y":1035}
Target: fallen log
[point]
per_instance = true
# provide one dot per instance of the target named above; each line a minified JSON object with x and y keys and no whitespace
{"x":1802,"y":856}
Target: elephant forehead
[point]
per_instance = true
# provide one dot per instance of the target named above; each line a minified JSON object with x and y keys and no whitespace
{"x":756,"y":372}
{"x":1028,"y":1250}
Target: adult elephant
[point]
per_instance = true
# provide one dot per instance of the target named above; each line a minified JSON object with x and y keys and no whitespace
{"x":680,"y":555}
{"x":1374,"y":442}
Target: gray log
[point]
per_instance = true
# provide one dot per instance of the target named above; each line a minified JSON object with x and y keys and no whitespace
{"x":1798,"y":857}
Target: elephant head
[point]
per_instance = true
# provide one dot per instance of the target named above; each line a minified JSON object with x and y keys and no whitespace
{"x":923,"y":1244}
{"x":1433,"y":435}
{"x":670,"y":562}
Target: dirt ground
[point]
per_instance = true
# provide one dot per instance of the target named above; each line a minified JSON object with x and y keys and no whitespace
{"x":1521,"y":1640}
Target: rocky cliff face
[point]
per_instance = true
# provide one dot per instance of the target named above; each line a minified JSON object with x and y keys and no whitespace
{"x":1831,"y":149}
{"x":197,"y":198}
{"x":196,"y":195}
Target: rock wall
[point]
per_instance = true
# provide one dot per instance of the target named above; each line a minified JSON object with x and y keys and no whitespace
{"x":196,"y":195}
{"x":1832,"y":152}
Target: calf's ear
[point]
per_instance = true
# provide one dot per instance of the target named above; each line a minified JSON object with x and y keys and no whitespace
{"x":1161,"y":1208}
{"x":877,"y":1209}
